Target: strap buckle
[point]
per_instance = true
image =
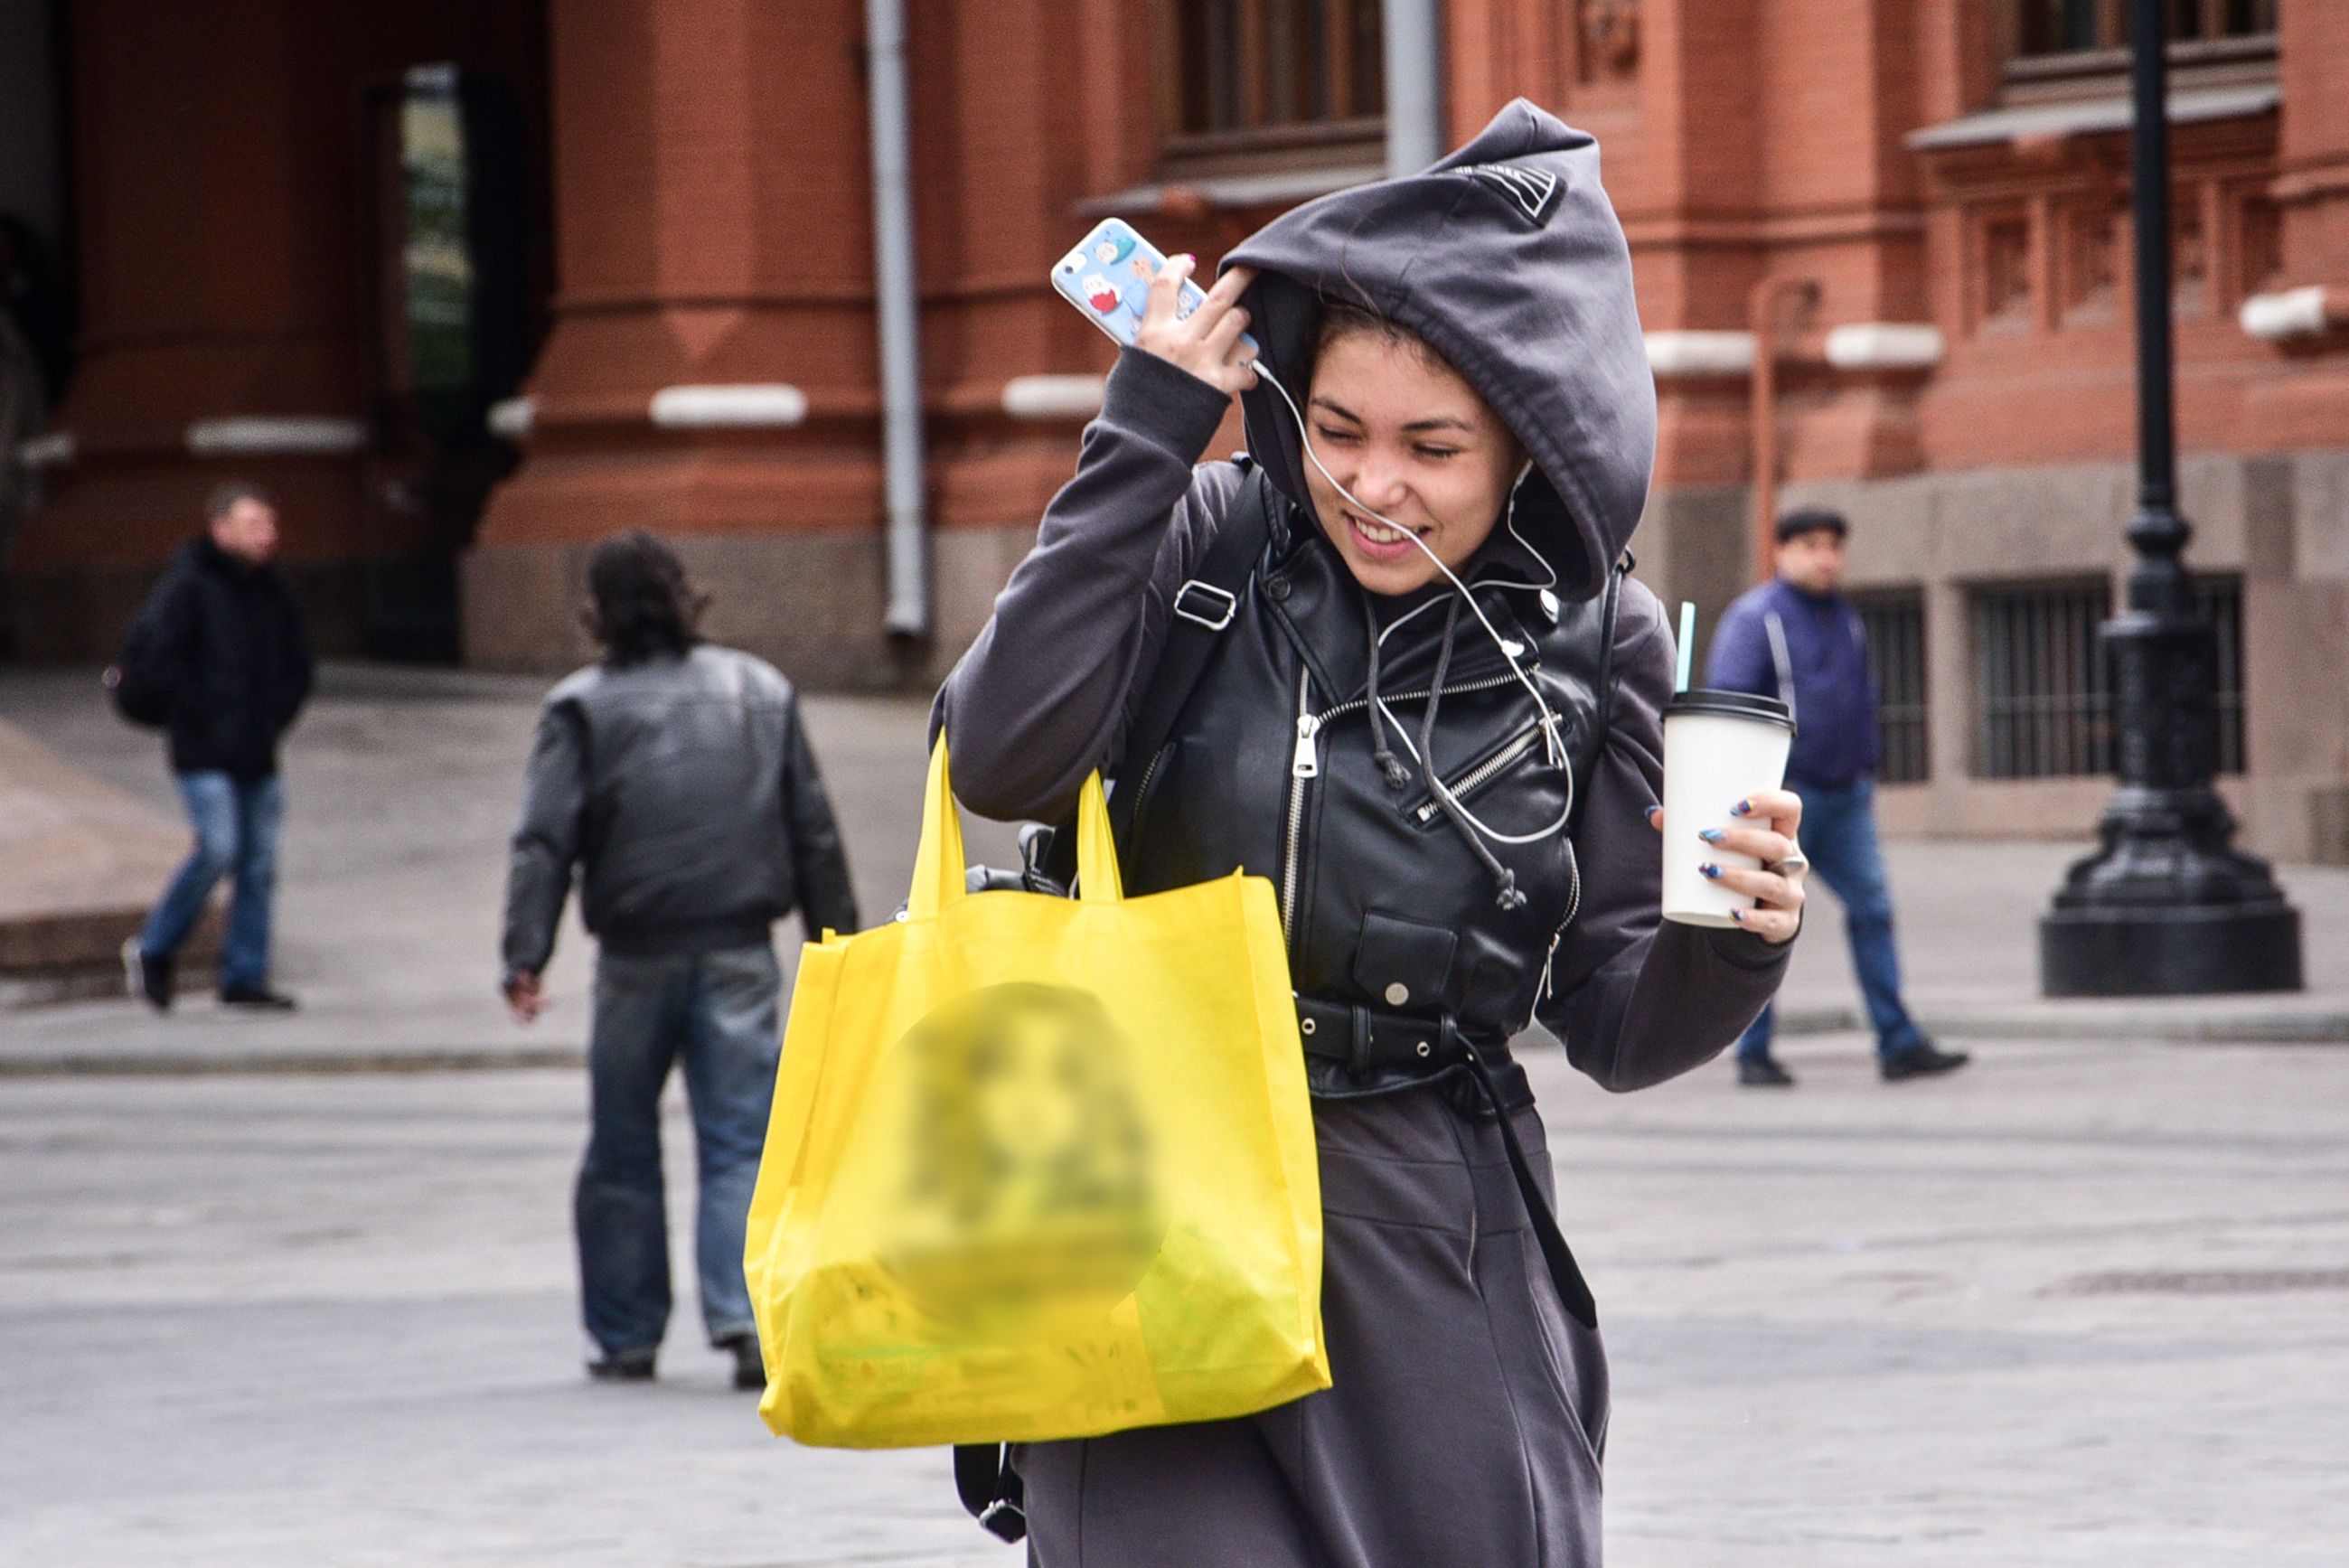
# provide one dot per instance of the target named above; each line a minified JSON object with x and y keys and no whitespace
{"x":1004,"y":1520}
{"x":1207,"y":618}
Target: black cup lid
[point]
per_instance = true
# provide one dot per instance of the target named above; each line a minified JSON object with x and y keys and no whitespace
{"x":1730,"y":705}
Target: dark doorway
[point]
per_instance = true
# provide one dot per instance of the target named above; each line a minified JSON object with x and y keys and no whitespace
{"x":456,"y":257}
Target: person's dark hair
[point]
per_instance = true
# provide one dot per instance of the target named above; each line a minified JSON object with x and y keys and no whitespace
{"x":1811,"y":520}
{"x":1341,"y":319}
{"x":640,"y":604}
{"x":222,"y":498}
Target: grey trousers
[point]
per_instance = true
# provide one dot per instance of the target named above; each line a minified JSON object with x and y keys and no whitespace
{"x":1467,"y":1414}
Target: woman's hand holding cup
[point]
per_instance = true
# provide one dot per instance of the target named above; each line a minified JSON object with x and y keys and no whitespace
{"x":1765,"y":825}
{"x":1205,"y":343}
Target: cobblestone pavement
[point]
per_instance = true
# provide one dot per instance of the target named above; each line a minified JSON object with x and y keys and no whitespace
{"x":2086,"y":1304}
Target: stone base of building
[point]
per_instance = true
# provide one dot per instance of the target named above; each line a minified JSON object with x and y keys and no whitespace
{"x":77,"y":614}
{"x":809,"y":600}
{"x":2278,"y":522}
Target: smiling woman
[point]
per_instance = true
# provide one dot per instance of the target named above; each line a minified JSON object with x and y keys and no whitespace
{"x":1430,"y":718}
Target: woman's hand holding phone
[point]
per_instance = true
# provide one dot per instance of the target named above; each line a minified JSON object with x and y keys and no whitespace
{"x":1205,"y":343}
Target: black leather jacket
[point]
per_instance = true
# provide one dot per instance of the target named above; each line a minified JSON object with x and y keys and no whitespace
{"x":1273,"y":766}
{"x":240,"y":654}
{"x":684,"y":792}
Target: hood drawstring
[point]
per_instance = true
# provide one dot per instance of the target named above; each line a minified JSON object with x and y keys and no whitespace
{"x":1390,"y":766}
{"x":1509,"y":896}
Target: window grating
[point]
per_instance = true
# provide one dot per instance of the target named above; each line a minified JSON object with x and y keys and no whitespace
{"x":2078,"y":26}
{"x":2221,"y":601}
{"x":1895,"y":623}
{"x":2043,"y":699}
{"x":2042,"y":688}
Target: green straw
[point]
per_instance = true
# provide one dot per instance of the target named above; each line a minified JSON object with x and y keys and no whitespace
{"x":1688,"y":642}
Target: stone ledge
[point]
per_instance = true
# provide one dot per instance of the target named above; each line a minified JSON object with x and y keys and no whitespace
{"x":85,"y":861}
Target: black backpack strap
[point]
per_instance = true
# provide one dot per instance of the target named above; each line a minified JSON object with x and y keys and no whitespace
{"x":1203,"y":608}
{"x":1605,"y":714}
{"x":991,"y":1489}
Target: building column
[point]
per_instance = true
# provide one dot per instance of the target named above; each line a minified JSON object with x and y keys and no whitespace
{"x":220,"y":214}
{"x":711,"y":371}
{"x":210,"y":159}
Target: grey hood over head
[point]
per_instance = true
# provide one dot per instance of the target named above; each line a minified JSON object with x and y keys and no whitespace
{"x":1507,"y":259}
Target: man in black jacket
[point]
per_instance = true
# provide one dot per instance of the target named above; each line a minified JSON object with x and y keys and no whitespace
{"x":229,"y":638}
{"x":677,"y":778}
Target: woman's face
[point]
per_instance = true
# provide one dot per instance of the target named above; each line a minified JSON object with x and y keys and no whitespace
{"x":1414,"y":442}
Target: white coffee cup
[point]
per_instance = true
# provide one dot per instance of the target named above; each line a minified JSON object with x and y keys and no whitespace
{"x":1719,"y":747}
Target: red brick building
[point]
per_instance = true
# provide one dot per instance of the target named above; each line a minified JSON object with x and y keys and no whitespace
{"x":476,"y":283}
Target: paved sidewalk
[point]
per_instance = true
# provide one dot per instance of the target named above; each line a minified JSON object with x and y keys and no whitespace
{"x":2078,"y":1307}
{"x":402,"y":787}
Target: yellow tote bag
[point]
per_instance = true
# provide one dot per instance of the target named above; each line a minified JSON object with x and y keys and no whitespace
{"x":1039,"y":1166}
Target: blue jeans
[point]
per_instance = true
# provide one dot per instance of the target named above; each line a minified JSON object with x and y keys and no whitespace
{"x":716,"y":1011}
{"x":236,"y":822}
{"x":1839,"y":836}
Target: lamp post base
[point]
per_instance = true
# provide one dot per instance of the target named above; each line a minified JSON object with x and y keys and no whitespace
{"x":2159,"y":950}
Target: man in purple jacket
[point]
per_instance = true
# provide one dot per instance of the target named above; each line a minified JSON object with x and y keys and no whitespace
{"x":1797,"y":639}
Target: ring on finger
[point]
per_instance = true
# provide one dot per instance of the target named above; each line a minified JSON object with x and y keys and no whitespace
{"x":1796,"y":861}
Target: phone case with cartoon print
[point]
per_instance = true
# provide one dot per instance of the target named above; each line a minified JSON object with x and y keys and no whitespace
{"x":1108,"y":275}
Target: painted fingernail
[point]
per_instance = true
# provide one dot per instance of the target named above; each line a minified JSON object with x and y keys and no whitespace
{"x":1712,"y":835}
{"x":1738,"y":915}
{"x":1709,"y":871}
{"x":1742,"y":808}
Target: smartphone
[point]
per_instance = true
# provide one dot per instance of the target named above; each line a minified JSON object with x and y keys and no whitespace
{"x":1108,"y":277}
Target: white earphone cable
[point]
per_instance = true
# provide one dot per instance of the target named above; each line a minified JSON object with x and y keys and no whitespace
{"x":1549,"y":720}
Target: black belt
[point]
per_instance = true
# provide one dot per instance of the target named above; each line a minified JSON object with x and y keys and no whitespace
{"x":1372,"y":1037}
{"x":1365,"y":1037}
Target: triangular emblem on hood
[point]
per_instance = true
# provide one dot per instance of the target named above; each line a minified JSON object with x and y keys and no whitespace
{"x":1533,"y":191}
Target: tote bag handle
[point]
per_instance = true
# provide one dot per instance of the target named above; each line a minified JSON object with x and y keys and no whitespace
{"x":939,"y":867}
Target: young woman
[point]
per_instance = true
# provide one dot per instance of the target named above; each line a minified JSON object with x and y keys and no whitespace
{"x":1434,"y":720}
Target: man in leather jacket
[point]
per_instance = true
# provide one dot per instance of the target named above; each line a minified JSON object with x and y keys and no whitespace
{"x":677,"y":777}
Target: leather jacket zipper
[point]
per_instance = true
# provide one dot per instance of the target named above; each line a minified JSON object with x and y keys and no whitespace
{"x":1307,"y":763}
{"x":1573,"y":908}
{"x":1306,"y":766}
{"x":1142,"y":791}
{"x":1511,"y":752}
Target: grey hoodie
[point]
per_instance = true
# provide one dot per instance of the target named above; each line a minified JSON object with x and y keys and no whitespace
{"x":1506,"y":258}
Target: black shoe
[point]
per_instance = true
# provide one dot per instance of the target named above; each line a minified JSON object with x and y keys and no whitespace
{"x":1763,"y":1072}
{"x":147,"y":978}
{"x":749,"y":1369}
{"x":1922,"y":1059}
{"x":633,"y":1365}
{"x":260,"y":997}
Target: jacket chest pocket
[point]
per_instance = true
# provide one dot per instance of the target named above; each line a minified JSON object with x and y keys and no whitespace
{"x":1465,"y":781}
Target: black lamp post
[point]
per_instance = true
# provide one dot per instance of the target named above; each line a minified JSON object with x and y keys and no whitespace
{"x":2166,"y":907}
